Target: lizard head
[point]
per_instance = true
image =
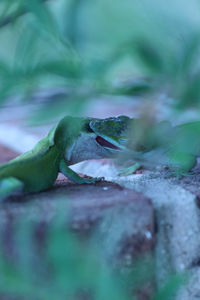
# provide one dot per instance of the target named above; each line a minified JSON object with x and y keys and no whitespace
{"x":99,"y":138}
{"x":111,"y":133}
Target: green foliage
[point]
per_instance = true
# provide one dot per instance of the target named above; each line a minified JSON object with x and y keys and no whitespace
{"x":170,"y":288}
{"x":47,"y":259}
{"x":78,"y":45}
{"x":40,"y":261}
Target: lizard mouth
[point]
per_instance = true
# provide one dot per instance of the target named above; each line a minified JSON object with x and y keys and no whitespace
{"x":102,"y":142}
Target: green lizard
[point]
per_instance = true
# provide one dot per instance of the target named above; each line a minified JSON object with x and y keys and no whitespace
{"x":71,"y":141}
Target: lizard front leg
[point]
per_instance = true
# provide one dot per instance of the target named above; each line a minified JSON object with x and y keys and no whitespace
{"x":69,"y":173}
{"x":9,"y":186}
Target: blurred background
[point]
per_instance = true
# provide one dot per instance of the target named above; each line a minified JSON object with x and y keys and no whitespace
{"x":97,"y":58}
{"x":94,"y":58}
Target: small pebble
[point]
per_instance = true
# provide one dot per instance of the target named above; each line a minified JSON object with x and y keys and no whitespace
{"x":105,"y":188}
{"x":148,"y":235}
{"x":182,"y":266}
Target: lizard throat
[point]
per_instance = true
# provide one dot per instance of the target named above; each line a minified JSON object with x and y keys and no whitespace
{"x":102,"y":142}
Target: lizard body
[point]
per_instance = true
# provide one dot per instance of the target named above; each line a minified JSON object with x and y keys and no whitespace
{"x":37,"y":169}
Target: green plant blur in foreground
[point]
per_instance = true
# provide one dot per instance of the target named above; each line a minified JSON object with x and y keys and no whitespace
{"x":81,"y":48}
{"x":48,"y":261}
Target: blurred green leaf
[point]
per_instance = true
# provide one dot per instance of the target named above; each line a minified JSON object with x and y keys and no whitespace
{"x":134,"y":87}
{"x":42,"y":13}
{"x":149,"y":56}
{"x":190,"y":92}
{"x":171,"y":287}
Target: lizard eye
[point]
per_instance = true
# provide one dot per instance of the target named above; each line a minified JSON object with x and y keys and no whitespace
{"x":101,"y":141}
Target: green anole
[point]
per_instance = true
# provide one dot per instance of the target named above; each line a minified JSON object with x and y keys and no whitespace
{"x":71,"y":141}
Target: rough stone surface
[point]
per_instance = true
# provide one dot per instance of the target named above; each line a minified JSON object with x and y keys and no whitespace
{"x":123,"y":219}
{"x":130,"y":212}
{"x":176,"y":204}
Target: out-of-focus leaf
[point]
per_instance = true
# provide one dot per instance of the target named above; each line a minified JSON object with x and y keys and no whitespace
{"x":134,"y":87}
{"x":72,"y":23}
{"x":43,"y":15}
{"x":189,"y":54}
{"x":72,"y":105}
{"x":171,"y":287}
{"x":4,"y":70}
{"x":63,"y":68}
{"x":149,"y":56}
{"x":10,"y":11}
{"x":6,"y":6}
{"x":190,"y":92}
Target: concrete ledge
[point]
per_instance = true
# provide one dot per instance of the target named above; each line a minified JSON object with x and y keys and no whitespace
{"x":177,"y":218}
